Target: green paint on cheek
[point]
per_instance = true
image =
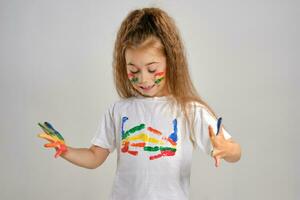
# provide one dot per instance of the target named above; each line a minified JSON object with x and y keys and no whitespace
{"x":159,"y":80}
{"x":134,"y":80}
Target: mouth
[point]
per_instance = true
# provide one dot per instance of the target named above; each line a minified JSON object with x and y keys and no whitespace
{"x":147,"y":88}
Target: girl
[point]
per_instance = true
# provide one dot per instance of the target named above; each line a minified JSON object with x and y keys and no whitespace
{"x":159,"y":120}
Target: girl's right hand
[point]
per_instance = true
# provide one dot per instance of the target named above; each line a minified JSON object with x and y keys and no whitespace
{"x":54,"y":137}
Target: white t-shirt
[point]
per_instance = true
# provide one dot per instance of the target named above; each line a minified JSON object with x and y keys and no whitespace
{"x":154,"y":152}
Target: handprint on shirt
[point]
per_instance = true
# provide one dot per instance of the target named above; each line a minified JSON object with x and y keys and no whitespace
{"x":166,"y":146}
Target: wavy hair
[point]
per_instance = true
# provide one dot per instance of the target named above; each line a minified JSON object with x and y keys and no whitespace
{"x":156,"y":27}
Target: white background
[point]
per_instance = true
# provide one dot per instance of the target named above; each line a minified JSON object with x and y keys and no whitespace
{"x":56,"y":66}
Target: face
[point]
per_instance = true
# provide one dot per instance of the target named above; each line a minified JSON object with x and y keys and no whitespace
{"x":146,"y":69}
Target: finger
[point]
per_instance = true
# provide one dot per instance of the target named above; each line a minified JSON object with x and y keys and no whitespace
{"x":219,"y":125}
{"x":60,"y":151}
{"x":215,"y":152}
{"x":59,"y":136}
{"x":47,"y":137}
{"x":49,"y":125}
{"x":46,"y":129}
{"x":217,"y":161}
{"x":221,"y":132}
{"x":211,"y":132}
{"x":212,"y":136}
{"x":218,"y":153}
{"x":54,"y":131}
{"x":49,"y":128}
{"x":51,"y":145}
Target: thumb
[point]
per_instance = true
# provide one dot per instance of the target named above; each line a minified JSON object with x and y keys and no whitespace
{"x":217,"y":161}
{"x":211,"y":135}
{"x":210,"y":131}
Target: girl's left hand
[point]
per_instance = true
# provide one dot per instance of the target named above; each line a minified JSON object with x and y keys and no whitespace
{"x":221,"y":147}
{"x":54,"y":137}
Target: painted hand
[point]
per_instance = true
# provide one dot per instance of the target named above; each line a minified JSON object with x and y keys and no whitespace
{"x":54,"y":137}
{"x":221,"y":147}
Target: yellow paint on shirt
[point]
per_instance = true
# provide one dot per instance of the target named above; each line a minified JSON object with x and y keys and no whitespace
{"x":144,"y":137}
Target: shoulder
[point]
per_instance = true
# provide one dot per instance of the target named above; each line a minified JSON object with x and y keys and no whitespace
{"x":119,"y":105}
{"x":197,"y":106}
{"x":200,"y":109}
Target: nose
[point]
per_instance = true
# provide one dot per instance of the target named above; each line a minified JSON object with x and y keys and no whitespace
{"x":145,"y":77}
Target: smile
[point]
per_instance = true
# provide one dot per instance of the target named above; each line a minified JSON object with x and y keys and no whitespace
{"x":147,"y":88}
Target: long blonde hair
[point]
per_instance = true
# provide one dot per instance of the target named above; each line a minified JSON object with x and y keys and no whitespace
{"x":139,"y":26}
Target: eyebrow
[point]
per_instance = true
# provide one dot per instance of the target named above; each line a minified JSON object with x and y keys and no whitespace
{"x":145,"y":65}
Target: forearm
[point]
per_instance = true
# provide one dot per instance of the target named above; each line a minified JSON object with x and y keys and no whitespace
{"x":82,"y":157}
{"x":234,"y":154}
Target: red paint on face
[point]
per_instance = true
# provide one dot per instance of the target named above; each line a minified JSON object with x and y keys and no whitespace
{"x":130,"y":75}
{"x":159,"y":74}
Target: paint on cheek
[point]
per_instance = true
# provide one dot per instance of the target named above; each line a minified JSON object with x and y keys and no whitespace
{"x":132,"y":78}
{"x":159,"y":74}
{"x":130,"y":75}
{"x":157,"y":81}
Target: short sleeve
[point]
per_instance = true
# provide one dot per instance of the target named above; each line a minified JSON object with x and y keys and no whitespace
{"x":105,"y":134}
{"x":202,"y":120}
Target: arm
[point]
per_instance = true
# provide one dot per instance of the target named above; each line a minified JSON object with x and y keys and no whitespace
{"x":88,"y":158}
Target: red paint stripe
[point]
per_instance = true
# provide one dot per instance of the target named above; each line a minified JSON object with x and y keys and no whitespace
{"x":163,"y":153}
{"x":155,"y":156}
{"x":133,"y":152}
{"x":125,"y":147}
{"x":159,"y":74}
{"x":154,"y":131}
{"x":171,"y":141}
{"x":168,"y":153}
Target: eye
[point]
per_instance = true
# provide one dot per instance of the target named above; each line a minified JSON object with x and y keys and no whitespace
{"x":135,"y":72}
{"x":151,"y":71}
